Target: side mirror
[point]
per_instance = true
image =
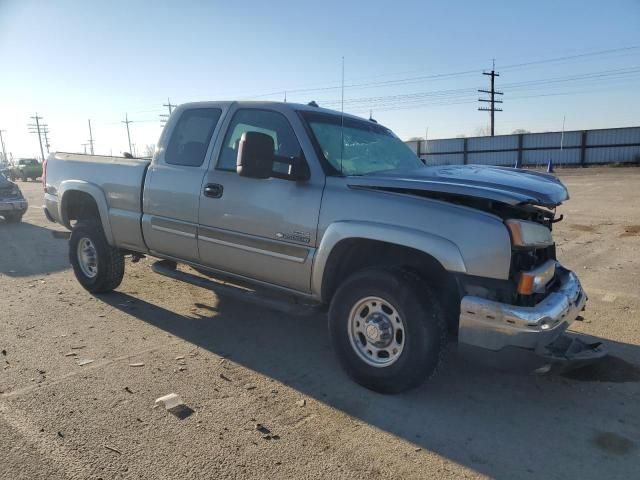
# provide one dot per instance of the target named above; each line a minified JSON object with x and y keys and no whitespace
{"x":256,"y":154}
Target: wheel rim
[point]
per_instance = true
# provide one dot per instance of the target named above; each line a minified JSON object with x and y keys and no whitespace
{"x":376,"y":332}
{"x":87,"y":257}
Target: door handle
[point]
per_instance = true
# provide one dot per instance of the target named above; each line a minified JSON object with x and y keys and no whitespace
{"x":213,"y":190}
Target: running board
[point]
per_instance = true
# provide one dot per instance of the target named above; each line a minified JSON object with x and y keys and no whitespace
{"x":261,"y":298}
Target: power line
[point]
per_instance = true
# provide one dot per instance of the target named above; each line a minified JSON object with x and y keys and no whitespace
{"x":466,"y":93}
{"x":408,"y":80}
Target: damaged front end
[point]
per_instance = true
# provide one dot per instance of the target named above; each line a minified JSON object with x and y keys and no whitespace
{"x":536,"y":305}
{"x":541,"y":327}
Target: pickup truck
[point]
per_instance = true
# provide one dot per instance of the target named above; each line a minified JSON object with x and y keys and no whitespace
{"x":337,"y":210}
{"x":25,"y":169}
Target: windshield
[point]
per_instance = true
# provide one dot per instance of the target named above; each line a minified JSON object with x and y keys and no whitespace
{"x":368,"y":147}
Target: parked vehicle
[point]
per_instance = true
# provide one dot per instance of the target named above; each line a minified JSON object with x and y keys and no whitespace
{"x":12,"y":204}
{"x":337,"y":210}
{"x":26,"y":169}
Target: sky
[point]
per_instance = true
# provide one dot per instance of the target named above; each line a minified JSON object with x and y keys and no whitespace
{"x":415,"y":65}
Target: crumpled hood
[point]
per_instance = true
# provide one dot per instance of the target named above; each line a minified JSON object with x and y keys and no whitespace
{"x":502,"y":184}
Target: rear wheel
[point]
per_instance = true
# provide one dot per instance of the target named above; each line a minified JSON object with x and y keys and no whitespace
{"x":98,"y":266}
{"x":388,"y":329}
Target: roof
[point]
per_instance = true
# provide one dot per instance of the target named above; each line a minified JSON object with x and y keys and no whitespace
{"x":262,"y":104}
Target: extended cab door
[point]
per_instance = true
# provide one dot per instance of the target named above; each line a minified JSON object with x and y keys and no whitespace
{"x":173,"y":184}
{"x":264,"y":229}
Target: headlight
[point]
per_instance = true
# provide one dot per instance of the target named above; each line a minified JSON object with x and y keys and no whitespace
{"x":529,"y":234}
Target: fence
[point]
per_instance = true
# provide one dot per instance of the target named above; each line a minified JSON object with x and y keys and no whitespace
{"x":573,"y":148}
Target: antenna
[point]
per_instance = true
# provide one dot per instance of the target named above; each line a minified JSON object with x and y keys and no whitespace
{"x":342,"y":118}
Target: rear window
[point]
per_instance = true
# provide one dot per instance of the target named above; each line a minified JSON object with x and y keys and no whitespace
{"x":190,"y":138}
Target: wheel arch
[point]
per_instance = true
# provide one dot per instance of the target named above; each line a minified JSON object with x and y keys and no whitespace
{"x":357,"y":245}
{"x":82,"y":200}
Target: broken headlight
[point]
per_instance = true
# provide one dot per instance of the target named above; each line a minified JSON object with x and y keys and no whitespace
{"x":529,"y":234}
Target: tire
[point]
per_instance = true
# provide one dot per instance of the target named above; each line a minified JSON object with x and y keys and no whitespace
{"x":418,"y":314}
{"x":104,"y":272}
{"x":13,"y":217}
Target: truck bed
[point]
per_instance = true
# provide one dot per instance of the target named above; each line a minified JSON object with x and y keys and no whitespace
{"x":118,"y":182}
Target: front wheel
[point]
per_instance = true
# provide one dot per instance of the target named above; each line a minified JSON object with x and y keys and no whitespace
{"x":388,"y":329}
{"x":98,"y":266}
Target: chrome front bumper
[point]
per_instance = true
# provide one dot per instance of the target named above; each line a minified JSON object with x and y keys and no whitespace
{"x":493,"y":325}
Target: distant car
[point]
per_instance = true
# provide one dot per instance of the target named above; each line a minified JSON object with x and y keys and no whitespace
{"x":26,"y":168}
{"x":12,"y":204}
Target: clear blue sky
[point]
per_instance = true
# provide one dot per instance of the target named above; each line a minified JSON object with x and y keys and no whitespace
{"x":73,"y":60}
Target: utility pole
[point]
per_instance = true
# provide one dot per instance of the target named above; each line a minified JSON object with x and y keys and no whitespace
{"x":169,"y":105}
{"x":164,"y":117}
{"x":90,"y":137}
{"x":45,"y":131}
{"x":38,"y":126}
{"x":126,"y":121}
{"x":4,"y":152}
{"x":492,"y":97}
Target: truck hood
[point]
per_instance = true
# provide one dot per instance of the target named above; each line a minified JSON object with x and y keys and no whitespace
{"x":501,"y":184}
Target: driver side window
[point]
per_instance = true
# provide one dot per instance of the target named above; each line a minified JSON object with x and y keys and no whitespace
{"x":268,"y":122}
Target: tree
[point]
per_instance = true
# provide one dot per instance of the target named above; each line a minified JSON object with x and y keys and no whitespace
{"x":482,"y":131}
{"x":518,"y":131}
{"x":149,"y":149}
{"x":416,"y":139}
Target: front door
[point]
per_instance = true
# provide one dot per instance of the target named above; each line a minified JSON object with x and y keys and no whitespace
{"x":264,"y":229}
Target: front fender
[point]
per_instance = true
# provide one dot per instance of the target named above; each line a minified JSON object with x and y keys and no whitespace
{"x":443,"y":250}
{"x":98,"y":196}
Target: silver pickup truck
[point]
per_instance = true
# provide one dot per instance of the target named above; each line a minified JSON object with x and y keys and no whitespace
{"x":335,"y":209}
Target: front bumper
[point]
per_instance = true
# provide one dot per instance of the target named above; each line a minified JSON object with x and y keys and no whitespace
{"x":494,"y":325}
{"x":13,"y":206}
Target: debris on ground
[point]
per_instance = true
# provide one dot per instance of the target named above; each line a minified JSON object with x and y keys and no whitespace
{"x":301,"y":403}
{"x":127,"y":389}
{"x":137,"y":364}
{"x":84,"y":362}
{"x":71,"y":354}
{"x":77,"y":347}
{"x":180,"y":357}
{"x":224,"y":377}
{"x":174,"y":405}
{"x":4,"y":352}
{"x":113,"y":449}
{"x":262,"y":429}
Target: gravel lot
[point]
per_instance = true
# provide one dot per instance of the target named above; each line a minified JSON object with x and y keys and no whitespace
{"x":239,"y":363}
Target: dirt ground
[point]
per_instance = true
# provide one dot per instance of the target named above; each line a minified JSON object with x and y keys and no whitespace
{"x":238,"y":363}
